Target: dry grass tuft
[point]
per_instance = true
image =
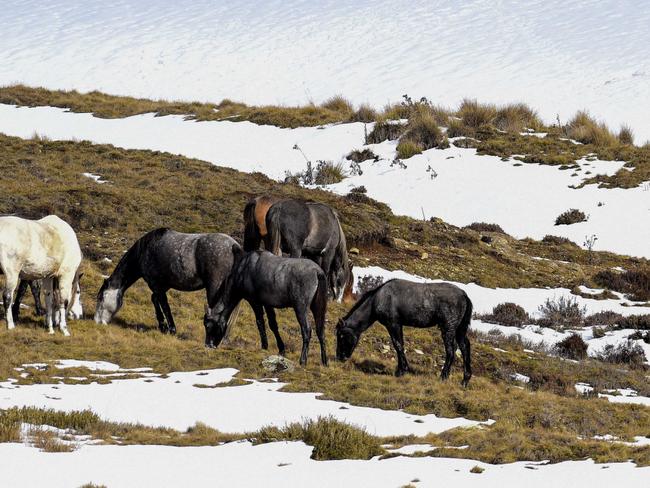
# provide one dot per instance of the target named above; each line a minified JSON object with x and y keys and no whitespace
{"x":584,"y":128}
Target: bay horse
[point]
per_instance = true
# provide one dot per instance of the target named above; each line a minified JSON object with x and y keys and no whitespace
{"x":268,"y":282}
{"x":255,"y":231}
{"x":312,"y":230}
{"x":166,"y":259}
{"x":45,"y":249}
{"x":397,"y":303}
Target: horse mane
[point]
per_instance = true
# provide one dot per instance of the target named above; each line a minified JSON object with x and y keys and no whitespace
{"x":130,"y":258}
{"x":367,"y":295}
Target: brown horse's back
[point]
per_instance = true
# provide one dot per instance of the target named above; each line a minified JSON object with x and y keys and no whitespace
{"x":262,"y":205}
{"x":255,"y":220}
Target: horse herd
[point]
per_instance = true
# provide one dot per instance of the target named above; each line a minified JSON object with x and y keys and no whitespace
{"x":304,"y":263}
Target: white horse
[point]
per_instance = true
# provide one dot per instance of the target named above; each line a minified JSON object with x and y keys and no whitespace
{"x":44,"y":249}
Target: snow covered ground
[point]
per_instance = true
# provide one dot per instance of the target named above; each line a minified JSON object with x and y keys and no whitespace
{"x":285,"y":464}
{"x":558,"y":56}
{"x":524,"y":199}
{"x":177,"y":403}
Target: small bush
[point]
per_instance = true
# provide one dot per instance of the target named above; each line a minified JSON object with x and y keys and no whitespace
{"x":624,"y":353}
{"x":606,"y":317}
{"x":640,"y":322}
{"x":359,"y":156}
{"x":509,"y":314}
{"x":584,"y":128}
{"x":558,"y":241}
{"x":626,"y":135}
{"x":385,"y":130}
{"x":634,"y":283}
{"x":368,"y":283}
{"x":359,"y":189}
{"x":485,"y":227}
{"x":598,"y":332}
{"x":640,"y":336}
{"x":561,"y":312}
{"x":573,"y":347}
{"x":572,"y":216}
{"x":456,"y":128}
{"x":476,"y":470}
{"x":517,"y":117}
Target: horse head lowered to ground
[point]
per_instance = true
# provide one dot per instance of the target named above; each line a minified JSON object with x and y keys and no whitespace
{"x":166,"y":260}
{"x":397,"y":303}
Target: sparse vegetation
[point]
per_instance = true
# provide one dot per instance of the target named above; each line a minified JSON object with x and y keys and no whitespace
{"x":634,"y":283}
{"x":624,"y":353}
{"x":485,"y":227}
{"x":572,"y":216}
{"x":562,"y":312}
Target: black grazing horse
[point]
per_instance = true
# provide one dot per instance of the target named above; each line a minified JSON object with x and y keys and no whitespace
{"x":311,"y":230}
{"x":35,"y":287}
{"x":167,"y":259}
{"x":399,"y":302}
{"x":266,"y":282}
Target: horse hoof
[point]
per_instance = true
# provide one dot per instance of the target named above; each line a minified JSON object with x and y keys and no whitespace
{"x":66,"y":333}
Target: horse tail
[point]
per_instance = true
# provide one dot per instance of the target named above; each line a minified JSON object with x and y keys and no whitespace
{"x":273,"y":231}
{"x":251,"y":234}
{"x":319,"y":302}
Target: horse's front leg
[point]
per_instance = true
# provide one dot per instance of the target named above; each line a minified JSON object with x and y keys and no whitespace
{"x":20,"y":293}
{"x":7,"y":297}
{"x":261,"y":326}
{"x":450,"y":350}
{"x":397,"y":338}
{"x":168,"y":313}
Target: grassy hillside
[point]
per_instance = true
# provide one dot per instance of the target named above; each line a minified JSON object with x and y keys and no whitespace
{"x":544,"y":420}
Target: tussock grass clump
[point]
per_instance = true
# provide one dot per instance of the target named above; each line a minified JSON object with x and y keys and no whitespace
{"x":634,"y":283}
{"x":584,"y":128}
{"x":624,"y":353}
{"x":48,"y":441}
{"x":365,"y":113}
{"x":331,"y":438}
{"x":517,"y":117}
{"x":626,"y":135}
{"x":509,"y":314}
{"x":485,"y":227}
{"x":340,"y":104}
{"x":561,"y":312}
{"x":572,"y":216}
{"x":328,"y":173}
{"x":573,"y":347}
{"x":407,"y":149}
{"x":385,"y":130}
{"x":476,"y":115}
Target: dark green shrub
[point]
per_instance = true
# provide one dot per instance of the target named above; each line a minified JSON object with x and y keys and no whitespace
{"x":624,"y":353}
{"x":573,"y":347}
{"x":359,"y":156}
{"x":485,"y":227}
{"x":509,"y":314}
{"x":572,"y":216}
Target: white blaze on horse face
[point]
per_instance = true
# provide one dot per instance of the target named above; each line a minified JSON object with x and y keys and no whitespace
{"x":108,"y":306}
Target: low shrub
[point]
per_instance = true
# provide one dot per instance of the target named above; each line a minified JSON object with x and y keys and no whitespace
{"x":485,"y":227}
{"x":359,"y":189}
{"x":634,"y":283}
{"x":627,"y":352}
{"x":640,"y":336}
{"x":359,"y":156}
{"x":573,"y":347}
{"x":558,"y":241}
{"x":572,"y":216}
{"x":606,"y":317}
{"x":561,"y":312}
{"x":509,"y":314}
{"x":365,"y":113}
{"x":368,"y":283}
{"x":640,"y":322}
{"x":598,"y":332}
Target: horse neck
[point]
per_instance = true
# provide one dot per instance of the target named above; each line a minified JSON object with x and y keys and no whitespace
{"x":127,"y":270}
{"x":361,"y":317}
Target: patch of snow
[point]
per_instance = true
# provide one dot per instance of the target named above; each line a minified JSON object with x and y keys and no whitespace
{"x":174,"y":402}
{"x":522,"y":378}
{"x":285,"y":464}
{"x":96,"y":178}
{"x":412,"y":449}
